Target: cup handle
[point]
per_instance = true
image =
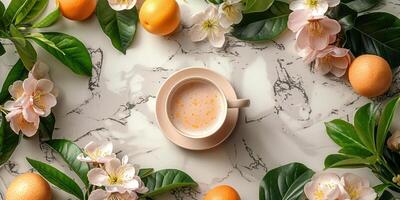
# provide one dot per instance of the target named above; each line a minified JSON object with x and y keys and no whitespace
{"x":238,"y":103}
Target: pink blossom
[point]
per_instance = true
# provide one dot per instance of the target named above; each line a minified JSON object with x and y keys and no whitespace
{"x":312,"y":32}
{"x":18,"y":122}
{"x":334,"y":60}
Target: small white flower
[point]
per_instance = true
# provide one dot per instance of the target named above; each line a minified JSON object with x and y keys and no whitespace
{"x":231,"y":12}
{"x":100,"y":194}
{"x":356,"y":188}
{"x":323,"y":186}
{"x":97,"y":153}
{"x":119,"y":5}
{"x":117,"y":176}
{"x":316,"y":7}
{"x":207,"y":25}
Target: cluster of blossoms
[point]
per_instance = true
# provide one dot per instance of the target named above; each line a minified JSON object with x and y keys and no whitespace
{"x":316,"y":35}
{"x":331,"y":186}
{"x":215,"y":22}
{"x":115,"y":178}
{"x":32,"y":98}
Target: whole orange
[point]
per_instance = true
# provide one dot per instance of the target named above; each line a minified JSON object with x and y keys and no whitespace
{"x":370,"y":75}
{"x":29,"y":186}
{"x":222,"y":192}
{"x":77,"y":10}
{"x":160,"y":17}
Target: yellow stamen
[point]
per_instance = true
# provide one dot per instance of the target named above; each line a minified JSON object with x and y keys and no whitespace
{"x":312,"y":3}
{"x":315,"y":28}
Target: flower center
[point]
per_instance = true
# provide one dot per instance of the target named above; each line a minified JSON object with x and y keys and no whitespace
{"x":353,"y":192}
{"x":209,"y":24}
{"x":319,"y":195}
{"x":315,"y":28}
{"x":37,"y":100}
{"x":312,"y":3}
{"x":114,"y":180}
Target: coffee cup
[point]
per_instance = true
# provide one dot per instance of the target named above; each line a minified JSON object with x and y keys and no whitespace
{"x":197,"y":107}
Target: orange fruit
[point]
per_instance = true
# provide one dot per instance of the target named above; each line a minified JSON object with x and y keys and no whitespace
{"x":77,"y":10}
{"x":29,"y":186}
{"x":160,"y":17}
{"x":370,"y":75}
{"x":222,"y":192}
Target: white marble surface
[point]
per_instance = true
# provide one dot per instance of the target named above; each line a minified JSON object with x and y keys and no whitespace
{"x":284,"y":123}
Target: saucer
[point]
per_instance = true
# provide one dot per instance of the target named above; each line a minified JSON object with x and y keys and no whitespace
{"x":169,"y":130}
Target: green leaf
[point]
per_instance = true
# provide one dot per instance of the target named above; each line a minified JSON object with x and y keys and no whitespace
{"x":380,"y":189}
{"x":17,"y":72}
{"x":344,"y":15}
{"x":13,"y":9}
{"x":57,"y":178}
{"x":385,"y":123}
{"x":360,"y":5}
{"x":343,"y":161}
{"x":25,"y":10}
{"x":364,"y":124}
{"x":387,"y":196}
{"x":69,"y":151}
{"x":165,"y":180}
{"x":216,"y":1}
{"x":49,"y":20}
{"x":36,"y":11}
{"x":46,"y":127}
{"x":119,"y":26}
{"x":73,"y":53}
{"x":2,"y":50}
{"x":252,"y":6}
{"x":8,"y":141}
{"x":2,"y":9}
{"x":285,"y":182}
{"x":355,"y":150}
{"x":145,"y":172}
{"x":263,"y":26}
{"x":24,"y":48}
{"x":343,"y":134}
{"x":49,"y":43}
{"x":378,"y":34}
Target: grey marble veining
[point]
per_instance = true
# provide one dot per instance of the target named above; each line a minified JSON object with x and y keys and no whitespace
{"x":284,"y":124}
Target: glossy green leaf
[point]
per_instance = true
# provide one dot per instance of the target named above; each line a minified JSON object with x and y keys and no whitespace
{"x":343,"y":134}
{"x":39,"y":36}
{"x":165,"y":180}
{"x":8,"y":141}
{"x":24,"y":48}
{"x":17,"y":72}
{"x":216,"y":1}
{"x":73,"y":53}
{"x":364,"y":124}
{"x":252,"y":6}
{"x":263,"y":26}
{"x":37,"y":9}
{"x":13,"y":9}
{"x":380,"y":189}
{"x":386,"y":195}
{"x":378,"y":34}
{"x":69,"y":151}
{"x":46,"y":127}
{"x":285,"y":182}
{"x":360,"y":5}
{"x":355,"y":150}
{"x":49,"y":20}
{"x":343,"y":161}
{"x":144,"y":172}
{"x":119,"y":26}
{"x":2,"y":9}
{"x":57,"y":178}
{"x":25,"y":10}
{"x":385,"y":122}
{"x":344,"y":15}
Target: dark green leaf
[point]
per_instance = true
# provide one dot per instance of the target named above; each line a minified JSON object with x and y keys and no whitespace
{"x":343,"y":161}
{"x":285,"y":183}
{"x":344,"y":15}
{"x":378,"y":34}
{"x":145,"y":172}
{"x":252,"y":6}
{"x":355,"y":150}
{"x":165,"y":180}
{"x":343,"y":134}
{"x":13,"y":10}
{"x":24,"y":48}
{"x":380,"y":189}
{"x":268,"y":25}
{"x":36,"y":11}
{"x":69,"y":152}
{"x":25,"y":10}
{"x":216,"y":1}
{"x":46,"y":127}
{"x":17,"y":72}
{"x":364,"y":124}
{"x":360,"y":5}
{"x":119,"y":26}
{"x":387,"y":196}
{"x":73,"y":53}
{"x":385,"y":123}
{"x":8,"y":141}
{"x":57,"y":178}
{"x":2,"y":9}
{"x":48,"y":20}
{"x":2,"y":50}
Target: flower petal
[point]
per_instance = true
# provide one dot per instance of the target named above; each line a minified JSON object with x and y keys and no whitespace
{"x":338,"y":72}
{"x":331,"y":26}
{"x":45,"y":85}
{"x":29,"y":86}
{"x":30,"y":115}
{"x":197,"y":33}
{"x":297,"y":5}
{"x":297,"y":20}
{"x":98,"y":194}
{"x":40,"y":71}
{"x":113,"y":165}
{"x":217,"y":38}
{"x":16,"y":89}
{"x":119,"y":5}
{"x":98,"y":177}
{"x":333,"y":3}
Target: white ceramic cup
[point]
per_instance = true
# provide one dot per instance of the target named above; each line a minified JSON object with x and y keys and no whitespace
{"x":225,"y":105}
